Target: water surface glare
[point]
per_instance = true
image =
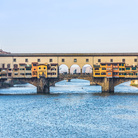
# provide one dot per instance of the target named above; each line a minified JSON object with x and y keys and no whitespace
{"x":73,"y":109}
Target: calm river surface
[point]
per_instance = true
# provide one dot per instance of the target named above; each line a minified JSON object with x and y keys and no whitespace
{"x":72,"y":110}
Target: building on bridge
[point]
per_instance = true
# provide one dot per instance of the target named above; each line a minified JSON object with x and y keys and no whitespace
{"x":115,"y":70}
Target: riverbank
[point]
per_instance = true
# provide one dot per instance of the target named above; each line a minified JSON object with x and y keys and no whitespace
{"x":135,"y":85}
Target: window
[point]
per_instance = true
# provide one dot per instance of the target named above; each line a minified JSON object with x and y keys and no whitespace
{"x":103,"y":68}
{"x":44,"y":68}
{"x":135,"y":60}
{"x":14,"y":60}
{"x":87,"y":60}
{"x":115,"y":68}
{"x":133,"y":68}
{"x":63,"y":60}
{"x":28,"y":74}
{"x":103,"y":64}
{"x":109,"y":73}
{"x":21,"y":68}
{"x":38,"y":60}
{"x":8,"y":66}
{"x":97,"y":73}
{"x":3,"y":66}
{"x":99,"y":60}
{"x":34,"y":64}
{"x":103,"y":73}
{"x":21,"y":73}
{"x":26,"y":60}
{"x":123,"y":60}
{"x":120,"y":64}
{"x":16,"y":69}
{"x":111,"y":60}
{"x":15,"y":73}
{"x":75,"y":60}
{"x":96,"y":68}
{"x":50,"y":60}
{"x":109,"y":64}
{"x":28,"y":68}
{"x":127,"y":68}
{"x":115,"y":73}
{"x":115,"y":64}
{"x":9,"y":74}
{"x":39,"y":67}
{"x":15,"y":66}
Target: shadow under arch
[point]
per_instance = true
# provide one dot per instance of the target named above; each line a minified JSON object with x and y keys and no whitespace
{"x":75,"y":69}
{"x":87,"y":68}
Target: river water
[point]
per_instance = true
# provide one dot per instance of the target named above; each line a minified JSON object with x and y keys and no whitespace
{"x":72,"y":110}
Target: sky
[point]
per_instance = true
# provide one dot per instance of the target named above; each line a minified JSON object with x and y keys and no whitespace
{"x":69,"y":26}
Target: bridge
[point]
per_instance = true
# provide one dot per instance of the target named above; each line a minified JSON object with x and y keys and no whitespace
{"x":43,"y":84}
{"x":10,"y":61}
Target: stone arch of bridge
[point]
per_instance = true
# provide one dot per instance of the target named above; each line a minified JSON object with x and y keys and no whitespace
{"x":75,"y":68}
{"x":87,"y":68}
{"x":121,"y":80}
{"x":34,"y":81}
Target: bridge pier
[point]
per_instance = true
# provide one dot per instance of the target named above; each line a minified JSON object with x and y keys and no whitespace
{"x":68,"y":80}
{"x":43,"y":86}
{"x":68,"y":71}
{"x":108,"y":85}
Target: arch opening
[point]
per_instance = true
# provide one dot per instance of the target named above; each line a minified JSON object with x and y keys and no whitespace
{"x":75,"y":69}
{"x":63,"y":69}
{"x":87,"y":69}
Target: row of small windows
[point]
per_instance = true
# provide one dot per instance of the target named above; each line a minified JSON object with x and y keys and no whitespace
{"x":116,"y":73}
{"x":123,"y":60}
{"x":75,"y":60}
{"x":23,"y":74}
{"x":50,"y":60}
{"x":38,"y":60}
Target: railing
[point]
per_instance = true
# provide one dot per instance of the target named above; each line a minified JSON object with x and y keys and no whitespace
{"x":77,"y":75}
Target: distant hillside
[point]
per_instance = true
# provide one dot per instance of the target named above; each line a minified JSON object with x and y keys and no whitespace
{"x":4,"y":52}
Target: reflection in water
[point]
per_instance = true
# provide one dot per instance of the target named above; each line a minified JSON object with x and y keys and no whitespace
{"x":69,"y":111}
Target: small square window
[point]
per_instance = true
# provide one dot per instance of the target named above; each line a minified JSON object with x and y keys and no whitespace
{"x":135,"y":60}
{"x":38,"y":60}
{"x":99,"y":60}
{"x":50,"y":60}
{"x":111,"y":60}
{"x":123,"y":60}
{"x":14,"y":60}
{"x":26,"y":60}
{"x":87,"y":60}
{"x":75,"y":60}
{"x":63,"y":60}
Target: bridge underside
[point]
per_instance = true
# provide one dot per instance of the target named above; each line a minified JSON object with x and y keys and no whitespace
{"x":44,"y":84}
